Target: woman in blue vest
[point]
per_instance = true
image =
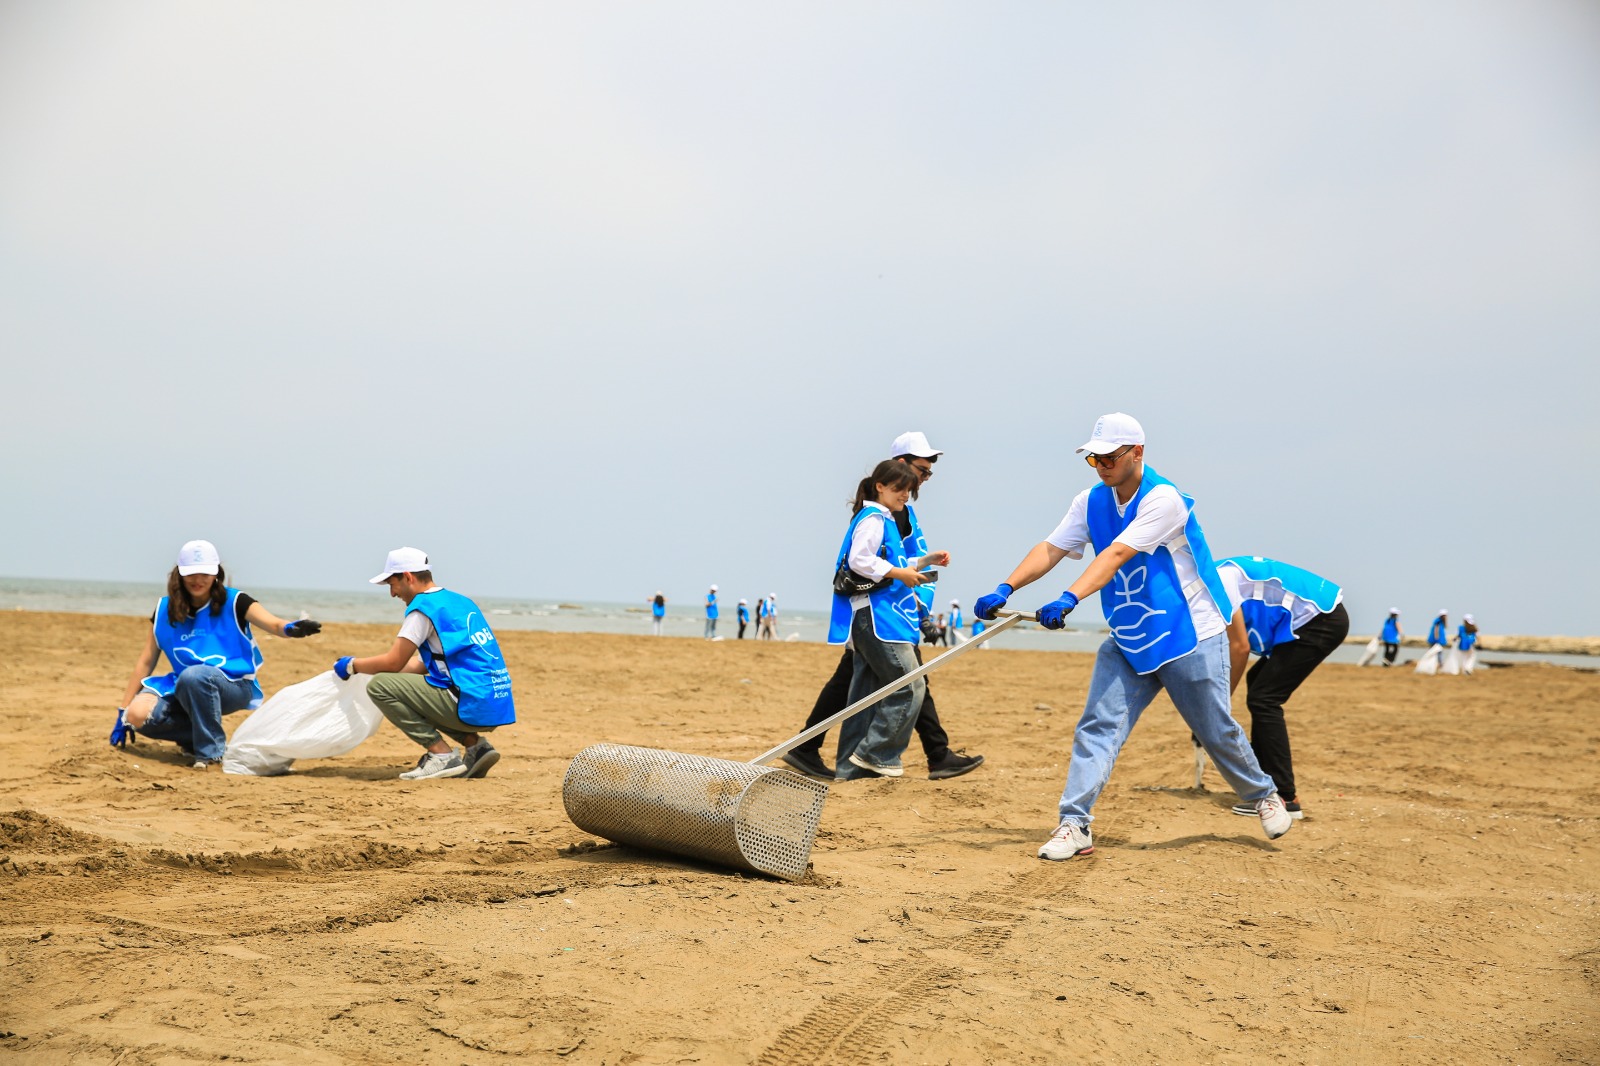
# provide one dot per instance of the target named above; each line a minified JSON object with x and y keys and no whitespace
{"x":882,"y":625}
{"x":1168,"y":613}
{"x":658,"y":613}
{"x":744,"y":616}
{"x":711,"y":613}
{"x":1294,"y":620}
{"x":203,"y":627}
{"x":1391,"y":636}
{"x":1467,"y":643}
{"x":444,"y":676}
{"x":1439,"y":632}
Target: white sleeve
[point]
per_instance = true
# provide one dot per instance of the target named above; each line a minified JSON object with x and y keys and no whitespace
{"x":416,"y":628}
{"x":864,"y":545}
{"x":1073,"y":532}
{"x":1161,"y":518}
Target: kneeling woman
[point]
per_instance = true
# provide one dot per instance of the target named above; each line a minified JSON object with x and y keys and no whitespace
{"x":203,"y":628}
{"x":875,"y":611}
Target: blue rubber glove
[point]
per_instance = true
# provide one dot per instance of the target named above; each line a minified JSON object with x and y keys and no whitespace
{"x":122,"y":732}
{"x":342,"y":667}
{"x":303,"y":628}
{"x":1053,"y":615}
{"x":988,"y":605}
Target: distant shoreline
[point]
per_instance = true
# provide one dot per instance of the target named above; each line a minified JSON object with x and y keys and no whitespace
{"x":1511,"y":642}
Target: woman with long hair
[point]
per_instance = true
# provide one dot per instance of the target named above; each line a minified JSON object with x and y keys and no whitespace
{"x":879,"y":618}
{"x":203,"y":627}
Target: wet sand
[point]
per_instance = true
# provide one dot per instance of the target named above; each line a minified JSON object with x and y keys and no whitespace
{"x":1438,"y":903}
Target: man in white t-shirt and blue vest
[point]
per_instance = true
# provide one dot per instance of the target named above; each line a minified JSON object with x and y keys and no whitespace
{"x":1168,"y":612}
{"x":443,"y":677}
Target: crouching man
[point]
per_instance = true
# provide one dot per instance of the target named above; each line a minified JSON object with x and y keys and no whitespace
{"x":444,"y":676}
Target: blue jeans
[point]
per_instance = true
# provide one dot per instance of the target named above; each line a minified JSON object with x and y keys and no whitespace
{"x":192,"y":715}
{"x":711,"y":628}
{"x":880,"y":733}
{"x":1197,"y":684}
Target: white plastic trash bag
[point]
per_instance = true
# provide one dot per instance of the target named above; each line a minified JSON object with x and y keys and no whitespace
{"x":1451,"y":663}
{"x":315,"y":719}
{"x":1470,"y":661}
{"x":1429,"y":663}
{"x":1371,"y":653}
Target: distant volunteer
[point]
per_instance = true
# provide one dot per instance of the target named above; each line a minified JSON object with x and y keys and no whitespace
{"x":1294,"y":620}
{"x":711,"y":613}
{"x":881,"y":622}
{"x":205,"y":629}
{"x":1439,"y":632}
{"x":658,"y":613}
{"x":444,"y":676}
{"x":769,"y":617}
{"x":1168,"y":612}
{"x":955,"y":622}
{"x":744,"y":616}
{"x":1467,"y":643}
{"x":1391,"y":636}
{"x":913,"y":449}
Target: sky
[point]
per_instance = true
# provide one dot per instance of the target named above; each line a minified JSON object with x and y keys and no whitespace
{"x":593,"y":300}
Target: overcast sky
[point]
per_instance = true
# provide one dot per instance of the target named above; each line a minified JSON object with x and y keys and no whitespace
{"x":590,"y":300}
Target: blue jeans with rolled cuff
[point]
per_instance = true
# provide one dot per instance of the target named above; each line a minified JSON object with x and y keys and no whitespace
{"x":881,"y":732}
{"x":1197,"y":684}
{"x":192,"y":715}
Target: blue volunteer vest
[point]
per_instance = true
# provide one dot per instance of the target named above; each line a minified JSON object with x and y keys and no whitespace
{"x":207,"y":640}
{"x":1391,"y":631}
{"x":1144,"y":604}
{"x":472,"y":665}
{"x":1464,"y":640}
{"x":1438,"y":634}
{"x":657,"y":609}
{"x":744,"y":614}
{"x":955,"y":619}
{"x":916,"y":547}
{"x":1269,"y":622}
{"x":711,"y":605}
{"x":894,"y":608}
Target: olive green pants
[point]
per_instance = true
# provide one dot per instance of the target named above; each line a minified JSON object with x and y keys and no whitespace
{"x":421,"y":711}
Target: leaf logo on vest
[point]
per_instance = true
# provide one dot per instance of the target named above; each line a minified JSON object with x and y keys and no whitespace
{"x":1132,"y":613}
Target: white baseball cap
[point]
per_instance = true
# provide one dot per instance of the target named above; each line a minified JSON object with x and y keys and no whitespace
{"x":955,"y":603}
{"x":713,"y":588}
{"x":1394,"y":610}
{"x":1467,"y":618}
{"x":745,"y":602}
{"x":913,"y":443}
{"x":198,"y":557}
{"x":402,"y":561}
{"x":1443,"y":611}
{"x":1113,"y":431}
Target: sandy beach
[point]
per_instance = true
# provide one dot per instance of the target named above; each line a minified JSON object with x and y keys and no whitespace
{"x":1438,"y":902}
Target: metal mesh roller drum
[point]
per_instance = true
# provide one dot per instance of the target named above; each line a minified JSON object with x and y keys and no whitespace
{"x":738,"y":814}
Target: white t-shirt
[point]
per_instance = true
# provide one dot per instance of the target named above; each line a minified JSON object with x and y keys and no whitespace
{"x":418,"y":629}
{"x":863,"y":558}
{"x":1160,"y":521}
{"x":1241,"y":588}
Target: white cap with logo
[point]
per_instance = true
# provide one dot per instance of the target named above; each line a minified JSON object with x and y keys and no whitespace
{"x":198,"y":557}
{"x":1113,"y":431}
{"x":403,"y":561}
{"x":913,"y":443}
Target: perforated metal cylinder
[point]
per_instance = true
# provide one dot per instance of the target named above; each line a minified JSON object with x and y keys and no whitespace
{"x":749,"y":817}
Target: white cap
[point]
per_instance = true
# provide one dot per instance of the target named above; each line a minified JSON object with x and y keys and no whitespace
{"x":198,"y":557}
{"x":772,"y":595}
{"x":1443,"y":611}
{"x":1113,"y":431}
{"x":913,"y":443}
{"x":713,"y":588}
{"x":1467,"y":618}
{"x":402,"y":561}
{"x":955,"y":603}
{"x":1394,"y":610}
{"x":745,"y":602}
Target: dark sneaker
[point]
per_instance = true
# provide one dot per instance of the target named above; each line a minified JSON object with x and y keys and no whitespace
{"x":480,"y":758}
{"x":807,"y":762}
{"x":876,"y":768}
{"x":433,"y":764}
{"x":953,"y":764}
{"x":1248,"y":810}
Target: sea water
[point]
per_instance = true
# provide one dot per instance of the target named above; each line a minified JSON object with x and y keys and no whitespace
{"x":374,"y":604}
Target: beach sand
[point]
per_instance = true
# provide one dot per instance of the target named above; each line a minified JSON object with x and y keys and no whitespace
{"x":1438,"y":903}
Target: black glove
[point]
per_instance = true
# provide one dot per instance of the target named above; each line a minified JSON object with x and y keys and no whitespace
{"x":303,"y":628}
{"x":930,"y":632}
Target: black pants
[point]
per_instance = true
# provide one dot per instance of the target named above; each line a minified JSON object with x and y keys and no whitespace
{"x":1389,"y":651}
{"x":1272,"y":680}
{"x":834,"y":698}
{"x":741,"y":629}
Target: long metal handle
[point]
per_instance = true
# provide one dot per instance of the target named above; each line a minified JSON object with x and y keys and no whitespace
{"x":1007,"y":620}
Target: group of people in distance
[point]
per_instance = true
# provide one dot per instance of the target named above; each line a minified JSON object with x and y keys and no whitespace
{"x":1439,"y":639}
{"x":443,"y":677}
{"x":766,"y":615}
{"x":1180,"y":621}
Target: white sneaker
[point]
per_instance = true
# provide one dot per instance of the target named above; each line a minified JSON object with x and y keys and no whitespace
{"x":433,"y":764}
{"x":1275,"y":819}
{"x":882,"y":771}
{"x":1067,"y":841}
